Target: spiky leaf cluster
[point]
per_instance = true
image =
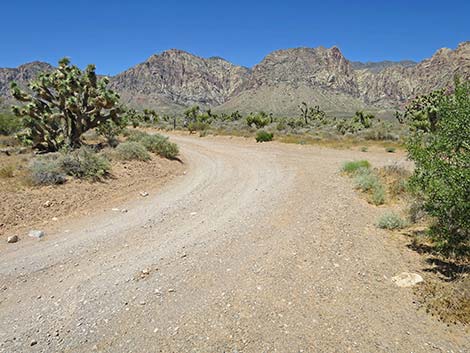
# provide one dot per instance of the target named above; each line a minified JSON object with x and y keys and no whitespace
{"x":64,"y":104}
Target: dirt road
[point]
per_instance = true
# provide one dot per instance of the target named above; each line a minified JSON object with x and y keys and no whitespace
{"x":258,"y":248}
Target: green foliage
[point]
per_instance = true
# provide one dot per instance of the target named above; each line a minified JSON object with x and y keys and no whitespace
{"x":391,"y":220}
{"x":129,"y":151}
{"x":46,"y":171}
{"x":358,"y":122}
{"x":354,"y":166}
{"x":155,"y":143}
{"x":366,"y":180}
{"x":378,"y":196}
{"x":258,"y":120}
{"x":263,"y":136}
{"x":110,"y":130}
{"x":364,"y":149}
{"x":136,"y":118}
{"x":9,"y":124}
{"x":390,"y":149}
{"x":439,"y":145}
{"x":197,"y":126}
{"x":311,"y":115}
{"x":84,"y":163}
{"x":64,"y":104}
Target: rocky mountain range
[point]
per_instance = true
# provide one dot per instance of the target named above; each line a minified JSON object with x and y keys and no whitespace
{"x":173,"y":80}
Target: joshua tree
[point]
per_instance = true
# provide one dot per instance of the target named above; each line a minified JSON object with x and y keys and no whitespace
{"x":64,"y":104}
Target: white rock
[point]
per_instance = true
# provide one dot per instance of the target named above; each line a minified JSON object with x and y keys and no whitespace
{"x":144,"y":193}
{"x":407,"y":279}
{"x":115,"y":209}
{"x":38,"y":234}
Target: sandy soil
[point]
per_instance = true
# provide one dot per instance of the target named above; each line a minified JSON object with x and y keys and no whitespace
{"x":258,"y":248}
{"x":23,"y":207}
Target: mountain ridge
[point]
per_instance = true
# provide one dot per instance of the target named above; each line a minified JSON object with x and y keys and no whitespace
{"x":174,"y":79}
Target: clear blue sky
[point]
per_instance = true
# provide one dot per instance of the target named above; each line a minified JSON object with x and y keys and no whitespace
{"x":118,"y":34}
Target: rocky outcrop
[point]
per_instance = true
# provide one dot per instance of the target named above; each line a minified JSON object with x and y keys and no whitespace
{"x":395,"y":85}
{"x":22,"y":75}
{"x":181,"y":79}
{"x":173,"y":80}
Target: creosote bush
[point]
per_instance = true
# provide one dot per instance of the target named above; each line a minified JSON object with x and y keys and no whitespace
{"x":129,"y":151}
{"x":391,"y":220}
{"x":264,"y":136}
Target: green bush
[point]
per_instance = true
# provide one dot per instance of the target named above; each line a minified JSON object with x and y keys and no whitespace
{"x":439,"y":145}
{"x":84,"y":163}
{"x":364,"y":149}
{"x":130,"y":150}
{"x":46,"y":171}
{"x":134,"y":135}
{"x":155,"y":143}
{"x":391,"y":220}
{"x":259,"y":120}
{"x":353,"y":166}
{"x":160,"y":145}
{"x":378,"y":194}
{"x":365,"y":180}
{"x":198,"y":126}
{"x":9,"y":124}
{"x":263,"y":136}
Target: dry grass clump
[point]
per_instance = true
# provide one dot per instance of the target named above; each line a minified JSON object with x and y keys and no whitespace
{"x":449,"y":301}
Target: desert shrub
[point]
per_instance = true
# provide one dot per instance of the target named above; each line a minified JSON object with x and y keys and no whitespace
{"x":365,"y":179}
{"x":9,"y":124}
{"x":378,"y":196}
{"x":281,"y":126}
{"x":130,"y":150}
{"x":397,"y":178}
{"x":259,"y":120}
{"x":7,"y":171}
{"x":160,"y":145}
{"x":84,"y":163}
{"x":391,"y":220}
{"x":390,"y":149}
{"x":448,"y":300}
{"x":198,"y":126}
{"x":264,"y":136}
{"x":439,"y":146}
{"x":46,"y":171}
{"x":110,"y":130}
{"x":133,"y":135}
{"x":155,"y":143}
{"x":368,"y":181}
{"x":364,"y":149}
{"x":353,"y":166}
